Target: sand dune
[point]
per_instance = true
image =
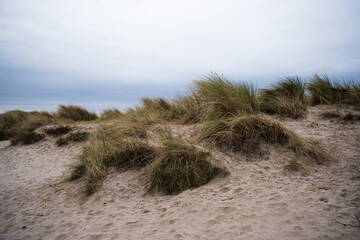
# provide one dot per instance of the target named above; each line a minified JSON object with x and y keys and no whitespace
{"x":258,"y":200}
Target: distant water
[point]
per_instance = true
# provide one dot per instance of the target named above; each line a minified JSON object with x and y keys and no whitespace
{"x":95,"y":98}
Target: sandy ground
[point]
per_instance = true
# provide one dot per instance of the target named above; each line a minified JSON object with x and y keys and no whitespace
{"x":257,"y":201}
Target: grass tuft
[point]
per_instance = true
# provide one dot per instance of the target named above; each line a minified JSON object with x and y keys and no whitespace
{"x":72,"y":137}
{"x":112,"y":145}
{"x":221,"y":98}
{"x":16,"y":125}
{"x":58,"y":130}
{"x":180,"y":166}
{"x":246,"y":132}
{"x":110,"y":114}
{"x":75,"y":113}
{"x":286,"y":98}
{"x":27,"y":138}
{"x":323,"y":91}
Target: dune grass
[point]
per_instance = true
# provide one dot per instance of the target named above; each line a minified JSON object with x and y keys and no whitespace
{"x":27,"y":138}
{"x":179,"y":166}
{"x":286,"y":98}
{"x":110,"y":114}
{"x":246,"y":132}
{"x":18,"y":125}
{"x":323,"y":91}
{"x":75,"y":113}
{"x":221,"y":98}
{"x":111,"y":145}
{"x":72,"y":137}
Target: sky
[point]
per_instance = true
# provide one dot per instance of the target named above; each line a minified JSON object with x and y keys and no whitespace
{"x":110,"y":53}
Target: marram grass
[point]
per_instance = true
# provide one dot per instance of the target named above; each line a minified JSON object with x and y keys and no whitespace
{"x":246,"y":132}
{"x":179,"y":166}
{"x":285,"y":98}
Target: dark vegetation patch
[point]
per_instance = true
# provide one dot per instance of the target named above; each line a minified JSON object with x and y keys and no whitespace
{"x":331,"y":114}
{"x":351,"y":117}
{"x":180,"y":166}
{"x":58,"y":130}
{"x":72,"y":137}
{"x":27,"y":138}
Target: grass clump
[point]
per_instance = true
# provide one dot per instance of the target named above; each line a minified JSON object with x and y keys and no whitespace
{"x":58,"y":130}
{"x":286,"y":98}
{"x":114,"y":145}
{"x":180,"y":166}
{"x":110,"y":114}
{"x":323,"y":91}
{"x":221,"y":98}
{"x":245,"y":133}
{"x":75,"y":113}
{"x":15,"y":125}
{"x":72,"y":137}
{"x":27,"y":138}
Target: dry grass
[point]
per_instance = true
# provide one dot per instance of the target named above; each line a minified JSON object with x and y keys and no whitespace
{"x":221,"y":98}
{"x":110,"y":114}
{"x":58,"y":130}
{"x":286,"y":98}
{"x":179,"y":166}
{"x":323,"y":91}
{"x":27,"y":138}
{"x":75,"y":113}
{"x":245,"y":133}
{"x":112,"y":145}
{"x":17,"y":125}
{"x":72,"y":137}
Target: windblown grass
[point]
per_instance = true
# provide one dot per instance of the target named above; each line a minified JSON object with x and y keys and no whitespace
{"x":18,"y":125}
{"x":110,"y":114}
{"x":286,"y":98}
{"x":180,"y":166}
{"x":323,"y":91}
{"x":115,"y":145}
{"x":72,"y":137}
{"x":245,"y":133}
{"x":221,"y":98}
{"x":75,"y":113}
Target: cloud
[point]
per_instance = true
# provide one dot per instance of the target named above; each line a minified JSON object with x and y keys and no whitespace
{"x":160,"y":41}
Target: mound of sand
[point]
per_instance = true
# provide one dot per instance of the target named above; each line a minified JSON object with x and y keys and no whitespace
{"x":258,"y":200}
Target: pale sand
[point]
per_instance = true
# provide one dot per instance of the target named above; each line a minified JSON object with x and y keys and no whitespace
{"x":257,"y":201}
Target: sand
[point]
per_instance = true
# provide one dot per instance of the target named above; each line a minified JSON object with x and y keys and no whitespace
{"x":258,"y":200}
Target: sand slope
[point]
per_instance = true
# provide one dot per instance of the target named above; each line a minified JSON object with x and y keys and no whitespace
{"x":257,"y":201}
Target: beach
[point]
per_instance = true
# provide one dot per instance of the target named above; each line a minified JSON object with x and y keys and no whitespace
{"x":257,"y":200}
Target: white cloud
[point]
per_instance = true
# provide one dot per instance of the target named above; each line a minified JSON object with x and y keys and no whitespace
{"x":160,"y":40}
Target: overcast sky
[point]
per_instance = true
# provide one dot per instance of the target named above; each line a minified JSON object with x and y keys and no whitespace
{"x":109,"y":53}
